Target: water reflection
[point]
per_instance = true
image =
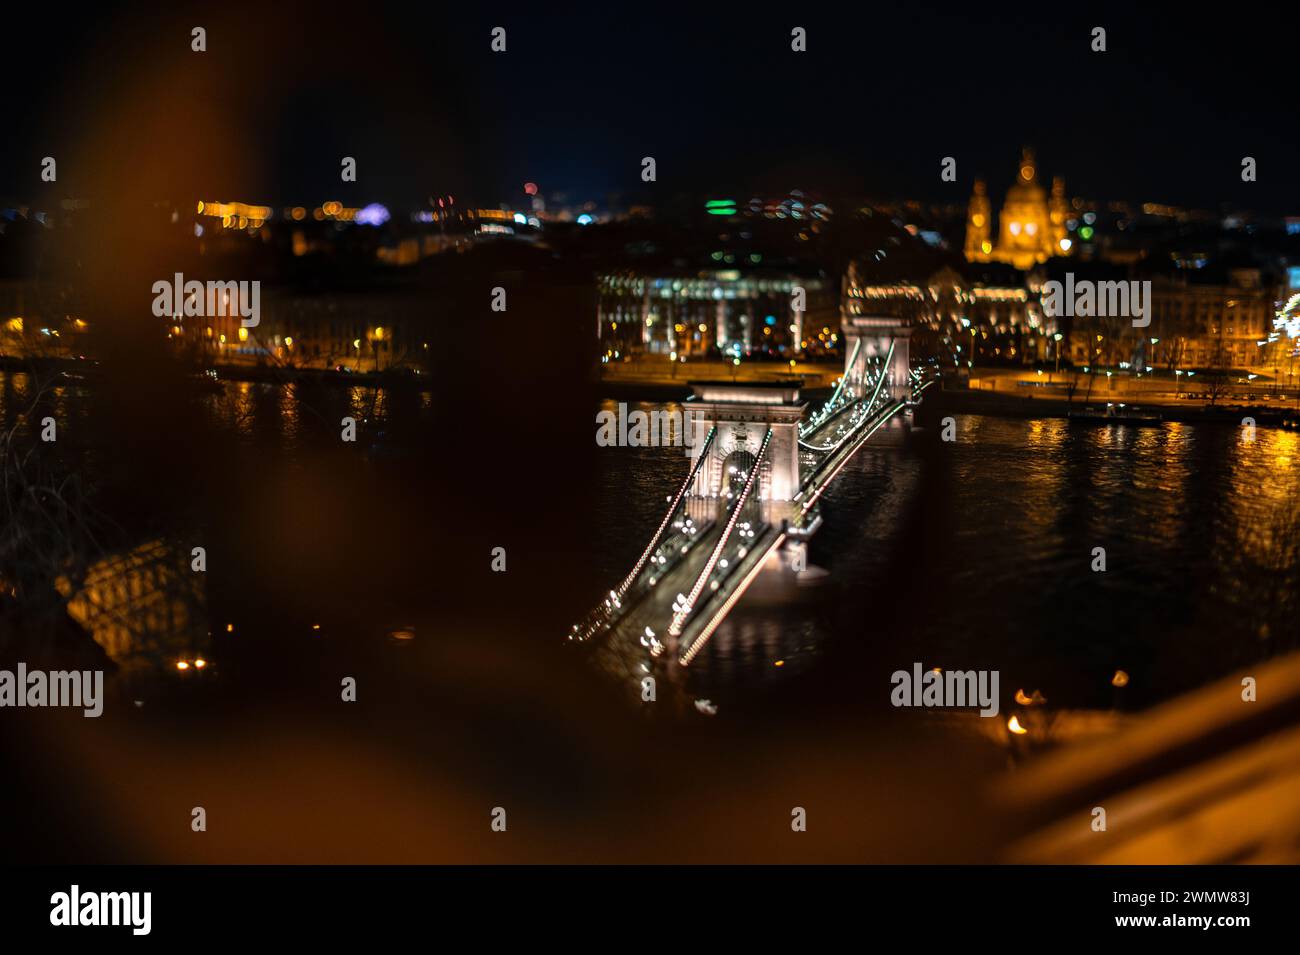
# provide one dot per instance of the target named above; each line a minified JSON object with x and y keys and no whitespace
{"x":35,"y":396}
{"x":755,"y":648}
{"x":293,"y":415}
{"x":143,"y":607}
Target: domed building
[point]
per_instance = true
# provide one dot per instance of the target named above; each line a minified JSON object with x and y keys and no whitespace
{"x":1031,"y":226}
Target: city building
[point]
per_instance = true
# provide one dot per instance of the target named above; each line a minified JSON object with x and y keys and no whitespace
{"x":1031,"y":225}
{"x":723,"y":312}
{"x":993,"y":312}
{"x":1202,"y":316}
{"x":1209,"y":317}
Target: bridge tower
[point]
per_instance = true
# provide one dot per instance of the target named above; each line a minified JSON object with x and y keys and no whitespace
{"x":743,"y":414}
{"x":874,"y":333}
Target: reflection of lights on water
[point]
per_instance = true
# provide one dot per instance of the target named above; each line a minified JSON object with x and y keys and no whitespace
{"x":1014,"y":726}
{"x":1119,"y":679}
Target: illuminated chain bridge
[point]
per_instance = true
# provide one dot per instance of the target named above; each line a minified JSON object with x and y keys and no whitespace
{"x":760,"y":462}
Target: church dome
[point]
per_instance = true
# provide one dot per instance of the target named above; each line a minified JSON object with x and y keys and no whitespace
{"x":1031,"y":226}
{"x":1023,"y":191}
{"x":1026,"y":187}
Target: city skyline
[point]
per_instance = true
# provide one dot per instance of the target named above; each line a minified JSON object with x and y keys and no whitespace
{"x":647,"y":435}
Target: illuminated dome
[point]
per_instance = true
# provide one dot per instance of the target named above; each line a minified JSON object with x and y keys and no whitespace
{"x":1030,"y":225}
{"x":1026,"y":192}
{"x":1026,"y":187}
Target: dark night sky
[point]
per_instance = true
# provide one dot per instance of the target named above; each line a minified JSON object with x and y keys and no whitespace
{"x":717,"y":98}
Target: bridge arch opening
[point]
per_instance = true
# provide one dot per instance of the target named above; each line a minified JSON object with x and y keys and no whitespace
{"x":736,"y":468}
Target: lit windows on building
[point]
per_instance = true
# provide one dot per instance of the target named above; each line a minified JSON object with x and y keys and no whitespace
{"x":714,"y":312}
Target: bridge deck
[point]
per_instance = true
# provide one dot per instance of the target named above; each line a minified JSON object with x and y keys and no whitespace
{"x":644,"y":622}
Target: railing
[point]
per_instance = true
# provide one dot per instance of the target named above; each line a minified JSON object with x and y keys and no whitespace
{"x":756,"y":561}
{"x":828,"y":411}
{"x":861,"y":410}
{"x":818,"y":479}
{"x":737,"y":507}
{"x":836,"y":460}
{"x":668,"y":518}
{"x":600,"y":616}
